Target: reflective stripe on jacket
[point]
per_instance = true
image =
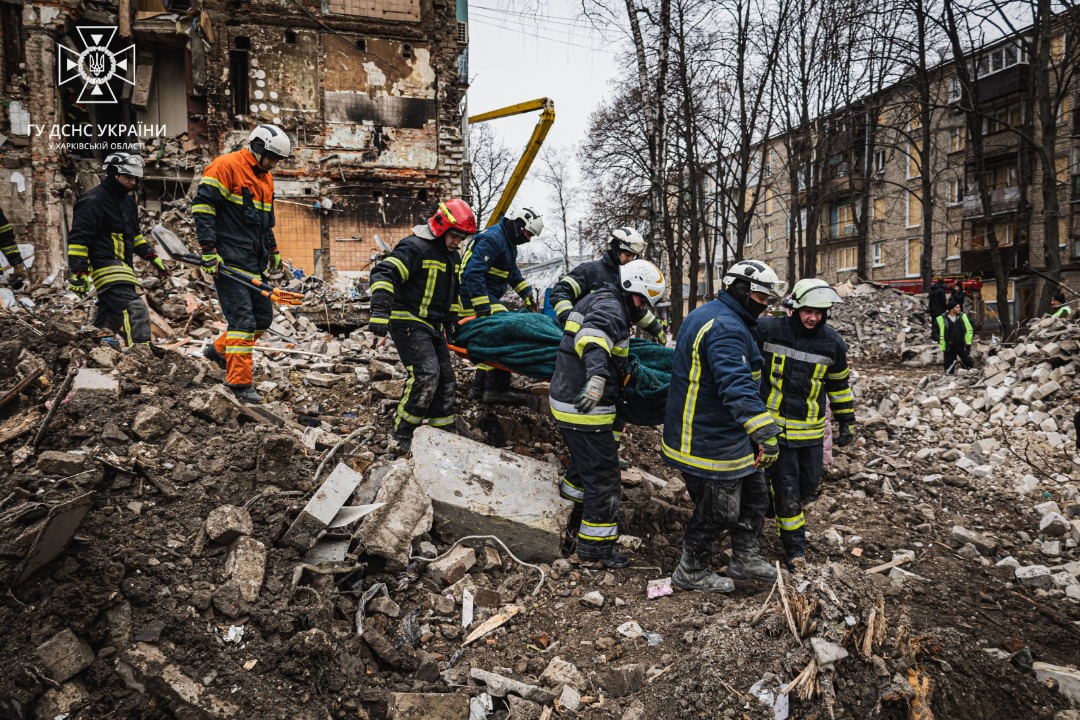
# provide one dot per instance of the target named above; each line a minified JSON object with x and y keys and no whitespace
{"x":798,"y":365}
{"x":488,"y":267}
{"x":950,"y":338}
{"x":596,"y":341}
{"x":589,"y":276}
{"x":7,"y":241}
{"x":1062,"y":312}
{"x":714,"y":407}
{"x":234,"y":211}
{"x":416,"y":283}
{"x":105,"y":235}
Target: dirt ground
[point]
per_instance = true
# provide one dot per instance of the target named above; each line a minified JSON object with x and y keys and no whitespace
{"x":140,"y":573}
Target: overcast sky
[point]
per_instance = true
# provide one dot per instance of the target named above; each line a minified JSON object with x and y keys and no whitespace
{"x":515,"y":56}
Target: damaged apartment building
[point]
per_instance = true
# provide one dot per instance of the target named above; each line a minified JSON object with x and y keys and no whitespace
{"x":372,"y":93}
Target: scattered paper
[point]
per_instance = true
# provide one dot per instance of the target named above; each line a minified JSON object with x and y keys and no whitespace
{"x":659,"y":588}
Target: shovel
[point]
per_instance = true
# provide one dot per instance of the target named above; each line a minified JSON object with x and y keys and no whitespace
{"x":175,"y":249}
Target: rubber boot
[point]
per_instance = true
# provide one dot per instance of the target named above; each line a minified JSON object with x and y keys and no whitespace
{"x":476,"y":392}
{"x":211,"y":354}
{"x":615,"y":561}
{"x":246,"y":394}
{"x":693,"y":573}
{"x":624,"y":464}
{"x":748,"y":565}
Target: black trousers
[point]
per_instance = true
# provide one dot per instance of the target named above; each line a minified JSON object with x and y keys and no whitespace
{"x":430,"y":386}
{"x":120,"y":309}
{"x":793,"y":480}
{"x":961,"y":358}
{"x":725,"y":507}
{"x":594,"y":483}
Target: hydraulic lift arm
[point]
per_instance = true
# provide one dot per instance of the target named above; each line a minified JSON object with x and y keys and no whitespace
{"x":546,"y":106}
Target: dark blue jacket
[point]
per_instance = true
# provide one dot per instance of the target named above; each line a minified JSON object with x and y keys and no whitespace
{"x":714,"y":408}
{"x":488,"y":267}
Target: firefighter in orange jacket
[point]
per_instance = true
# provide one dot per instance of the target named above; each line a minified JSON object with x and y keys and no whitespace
{"x":234,"y":222}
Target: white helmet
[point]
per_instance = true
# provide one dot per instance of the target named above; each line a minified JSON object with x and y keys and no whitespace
{"x":627,"y":239}
{"x":641,"y":277}
{"x":534,"y":224}
{"x":124,"y":163}
{"x":813,"y":293}
{"x":761,"y":277}
{"x":270,"y":139}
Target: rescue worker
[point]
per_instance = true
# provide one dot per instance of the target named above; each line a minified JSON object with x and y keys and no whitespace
{"x":1058,"y":308}
{"x":11,"y":254}
{"x":956,"y":334}
{"x":101,"y":245}
{"x":488,"y":267}
{"x":589,"y":372}
{"x":412,"y":291}
{"x":936,"y":305}
{"x":234,"y":222}
{"x":719,"y":433}
{"x":805,"y":369}
{"x":625,"y":245}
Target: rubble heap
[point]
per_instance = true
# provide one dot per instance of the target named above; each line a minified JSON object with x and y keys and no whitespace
{"x":879,"y":322}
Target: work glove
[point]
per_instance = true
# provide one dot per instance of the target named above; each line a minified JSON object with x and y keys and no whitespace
{"x":561,"y":319}
{"x":79,"y":283}
{"x":159,"y":265}
{"x":590,"y":395}
{"x":482,"y":311}
{"x":768,"y":453}
{"x":210,"y":262}
{"x":275,"y":262}
{"x":530,"y":304}
{"x":379,"y":328}
{"x":661,"y":337}
{"x":847,"y":434}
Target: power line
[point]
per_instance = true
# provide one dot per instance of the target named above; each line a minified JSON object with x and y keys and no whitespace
{"x":537,"y":19}
{"x":540,"y":37}
{"x":519,"y":13}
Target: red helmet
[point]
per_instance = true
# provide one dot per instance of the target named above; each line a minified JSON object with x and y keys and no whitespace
{"x":453,"y":215}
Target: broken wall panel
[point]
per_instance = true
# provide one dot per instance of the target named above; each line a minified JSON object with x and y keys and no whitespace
{"x":283,"y":76}
{"x":403,"y":10}
{"x":353,"y":230}
{"x":298,"y":233}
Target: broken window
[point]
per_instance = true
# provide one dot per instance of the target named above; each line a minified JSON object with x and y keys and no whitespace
{"x":238,"y":79}
{"x":160,"y":93}
{"x":11,"y":30}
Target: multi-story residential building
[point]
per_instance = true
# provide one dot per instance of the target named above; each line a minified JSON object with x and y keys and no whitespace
{"x":371,"y":92}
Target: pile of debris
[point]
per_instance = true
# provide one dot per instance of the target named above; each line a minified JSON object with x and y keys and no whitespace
{"x":879,"y":322}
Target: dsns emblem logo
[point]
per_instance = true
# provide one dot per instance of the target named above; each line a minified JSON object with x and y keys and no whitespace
{"x":99,"y":68}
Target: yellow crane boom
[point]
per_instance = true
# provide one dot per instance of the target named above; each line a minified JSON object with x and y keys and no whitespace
{"x":546,"y":106}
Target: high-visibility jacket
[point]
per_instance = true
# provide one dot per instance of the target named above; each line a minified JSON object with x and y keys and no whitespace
{"x":488,"y":267}
{"x":416,"y":283}
{"x":7,"y":241}
{"x":105,"y":235}
{"x":234,"y":211}
{"x":586,"y":278}
{"x":800,"y":365}
{"x":596,"y":341}
{"x":951,"y":338}
{"x":714,"y":408}
{"x":1062,"y":312}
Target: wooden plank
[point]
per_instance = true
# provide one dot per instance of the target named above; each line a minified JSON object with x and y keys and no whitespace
{"x":20,"y":386}
{"x":18,"y":425}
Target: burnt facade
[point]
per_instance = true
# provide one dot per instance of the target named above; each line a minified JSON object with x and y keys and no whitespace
{"x":372,"y":93}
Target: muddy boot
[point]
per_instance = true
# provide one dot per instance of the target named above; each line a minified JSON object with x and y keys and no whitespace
{"x":614,"y":561}
{"x":211,"y":354}
{"x":479,"y":381}
{"x":748,"y":565}
{"x":246,"y":395}
{"x":693,"y":573}
{"x":505,"y":397}
{"x":569,"y":542}
{"x":624,"y":464}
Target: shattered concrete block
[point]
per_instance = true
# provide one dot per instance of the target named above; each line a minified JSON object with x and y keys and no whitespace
{"x":521,"y":709}
{"x":64,"y":655}
{"x":827,"y":653}
{"x":246,"y":566}
{"x":983,"y":543}
{"x":500,"y":686}
{"x":151,"y":422}
{"x":226,"y":523}
{"x":1067,"y":678}
{"x":963,"y":410}
{"x":570,"y":698}
{"x":453,"y":567}
{"x":560,"y":672}
{"x":1034,"y":576}
{"x":384,"y":606}
{"x":93,"y":389}
{"x":1051,"y":548}
{"x":1053,"y":525}
{"x":1063,"y":580}
{"x":423,"y":706}
{"x":621,"y":681}
{"x":54,"y":463}
{"x":1046,"y":390}
{"x":274,"y":461}
{"x":185,"y":695}
{"x":479,"y":490}
{"x":389,"y":531}
{"x":63,"y":701}
{"x":321,"y":380}
{"x":1045,"y":508}
{"x":214,"y":406}
{"x":323,"y":506}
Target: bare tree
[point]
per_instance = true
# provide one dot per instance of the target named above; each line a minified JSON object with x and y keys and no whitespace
{"x":491,"y":163}
{"x":557,"y":172}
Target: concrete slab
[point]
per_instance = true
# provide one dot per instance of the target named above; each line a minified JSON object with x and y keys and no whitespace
{"x":176,"y":689}
{"x":64,"y":655}
{"x":246,"y":566}
{"x":323,"y":507}
{"x":406,"y":512}
{"x":92,"y":389}
{"x":59,"y":528}
{"x":476,"y":489}
{"x":423,"y":706}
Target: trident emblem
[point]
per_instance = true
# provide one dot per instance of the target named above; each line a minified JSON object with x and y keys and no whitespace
{"x":97,"y":66}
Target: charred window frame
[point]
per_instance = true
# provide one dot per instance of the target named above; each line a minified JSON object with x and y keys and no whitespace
{"x":11,"y":35}
{"x":239,"y":65}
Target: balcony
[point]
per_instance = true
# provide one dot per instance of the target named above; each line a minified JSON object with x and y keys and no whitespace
{"x":995,"y":145}
{"x":1076,"y":188}
{"x":979,"y":262}
{"x":842,"y":231}
{"x":1003,"y":201}
{"x":845,"y":184}
{"x":1005,"y":82}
